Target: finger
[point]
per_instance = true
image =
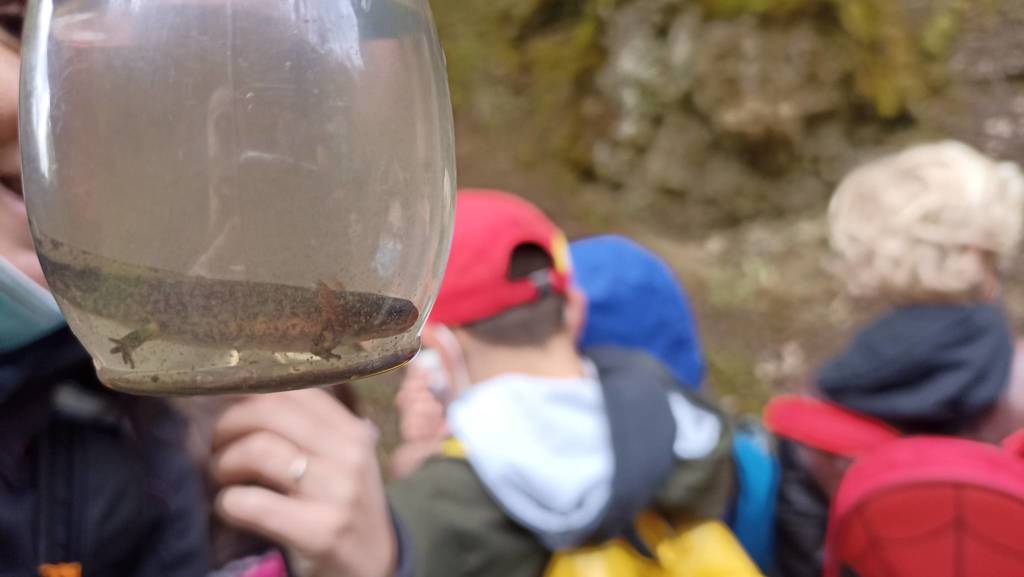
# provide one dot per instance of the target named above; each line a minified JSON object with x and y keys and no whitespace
{"x":353,"y":539}
{"x":421,"y":424}
{"x":416,"y":394}
{"x":424,"y":403}
{"x":320,"y":402}
{"x":260,"y":457}
{"x":284,"y":416}
{"x":272,"y":461}
{"x":272,"y":413}
{"x":416,"y":382}
{"x":419,"y":395}
{"x":421,"y":403}
{"x":306,"y":526}
{"x":416,"y":403}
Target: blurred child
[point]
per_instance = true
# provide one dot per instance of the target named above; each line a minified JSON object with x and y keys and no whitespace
{"x":632,"y":301}
{"x":926,"y":231}
{"x":635,"y":301}
{"x":559,"y":450}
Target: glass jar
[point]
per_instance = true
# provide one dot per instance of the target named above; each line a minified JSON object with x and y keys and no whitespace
{"x":238,"y":195}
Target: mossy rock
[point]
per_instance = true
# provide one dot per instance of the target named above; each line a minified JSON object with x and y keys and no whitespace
{"x":782,"y":96}
{"x":901,"y":44}
{"x":729,"y":8}
{"x":523,"y":66}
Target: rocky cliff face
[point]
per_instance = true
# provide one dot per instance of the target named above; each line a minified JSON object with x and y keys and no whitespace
{"x":700,"y":114}
{"x":742,"y":110}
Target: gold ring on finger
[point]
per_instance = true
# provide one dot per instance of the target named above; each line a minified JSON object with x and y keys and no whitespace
{"x":297,"y":470}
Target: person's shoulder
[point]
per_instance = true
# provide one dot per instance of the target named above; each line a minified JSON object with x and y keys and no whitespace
{"x":455,"y":528}
{"x":447,"y":483}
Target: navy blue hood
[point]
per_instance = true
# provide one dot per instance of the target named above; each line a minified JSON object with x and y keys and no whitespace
{"x":926,"y":369}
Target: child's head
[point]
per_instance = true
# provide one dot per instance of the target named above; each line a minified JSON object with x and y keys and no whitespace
{"x":506,"y":294}
{"x":933,"y":223}
{"x":634,"y":300}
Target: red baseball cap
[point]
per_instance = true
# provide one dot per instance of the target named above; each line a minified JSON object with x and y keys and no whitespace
{"x":489,"y":226}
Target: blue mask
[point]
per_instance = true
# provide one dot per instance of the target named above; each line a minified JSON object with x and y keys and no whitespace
{"x":27,"y":310}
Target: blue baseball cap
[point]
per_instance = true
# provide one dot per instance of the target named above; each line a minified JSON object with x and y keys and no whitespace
{"x":636,"y":302}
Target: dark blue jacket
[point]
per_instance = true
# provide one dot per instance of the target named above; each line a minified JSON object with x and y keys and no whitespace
{"x":92,"y":476}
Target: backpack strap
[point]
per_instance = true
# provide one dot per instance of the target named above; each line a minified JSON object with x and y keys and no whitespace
{"x":644,"y":454}
{"x":826,"y":426}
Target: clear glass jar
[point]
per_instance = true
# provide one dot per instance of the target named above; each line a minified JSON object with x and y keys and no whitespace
{"x":238,"y":195}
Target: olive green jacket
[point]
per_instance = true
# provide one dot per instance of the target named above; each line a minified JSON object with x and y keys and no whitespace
{"x":452,"y":525}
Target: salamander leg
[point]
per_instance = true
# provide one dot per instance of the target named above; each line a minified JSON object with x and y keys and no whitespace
{"x":325,"y":343}
{"x":127,"y":344}
{"x":329,"y":337}
{"x":326,"y":299}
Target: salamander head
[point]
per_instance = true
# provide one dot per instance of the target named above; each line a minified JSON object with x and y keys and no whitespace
{"x":363,"y":316}
{"x":398,"y":315}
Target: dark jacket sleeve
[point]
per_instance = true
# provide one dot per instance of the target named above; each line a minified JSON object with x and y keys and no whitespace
{"x":99,"y":477}
{"x":450,"y":527}
{"x":177,"y":546}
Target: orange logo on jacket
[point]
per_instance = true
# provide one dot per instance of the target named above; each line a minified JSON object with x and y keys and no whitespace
{"x":61,"y":570}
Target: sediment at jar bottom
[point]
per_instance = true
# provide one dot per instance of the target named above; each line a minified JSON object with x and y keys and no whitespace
{"x":254,"y":379}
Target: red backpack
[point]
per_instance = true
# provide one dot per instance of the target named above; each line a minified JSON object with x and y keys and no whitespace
{"x":913,"y":506}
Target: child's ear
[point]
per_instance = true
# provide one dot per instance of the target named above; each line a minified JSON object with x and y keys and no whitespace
{"x":576,"y":312}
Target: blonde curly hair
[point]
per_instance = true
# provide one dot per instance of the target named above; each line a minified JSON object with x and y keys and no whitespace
{"x":932,"y":223}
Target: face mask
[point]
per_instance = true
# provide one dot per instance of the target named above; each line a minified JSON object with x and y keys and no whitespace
{"x":445,"y":382}
{"x":27,"y":310}
{"x":460,"y":374}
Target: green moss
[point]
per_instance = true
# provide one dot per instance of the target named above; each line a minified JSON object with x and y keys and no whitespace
{"x":732,"y":377}
{"x":559,"y":63}
{"x":523,"y":65}
{"x":738,"y":7}
{"x":940,"y":32}
{"x":476,"y":49}
{"x":899,"y":59}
